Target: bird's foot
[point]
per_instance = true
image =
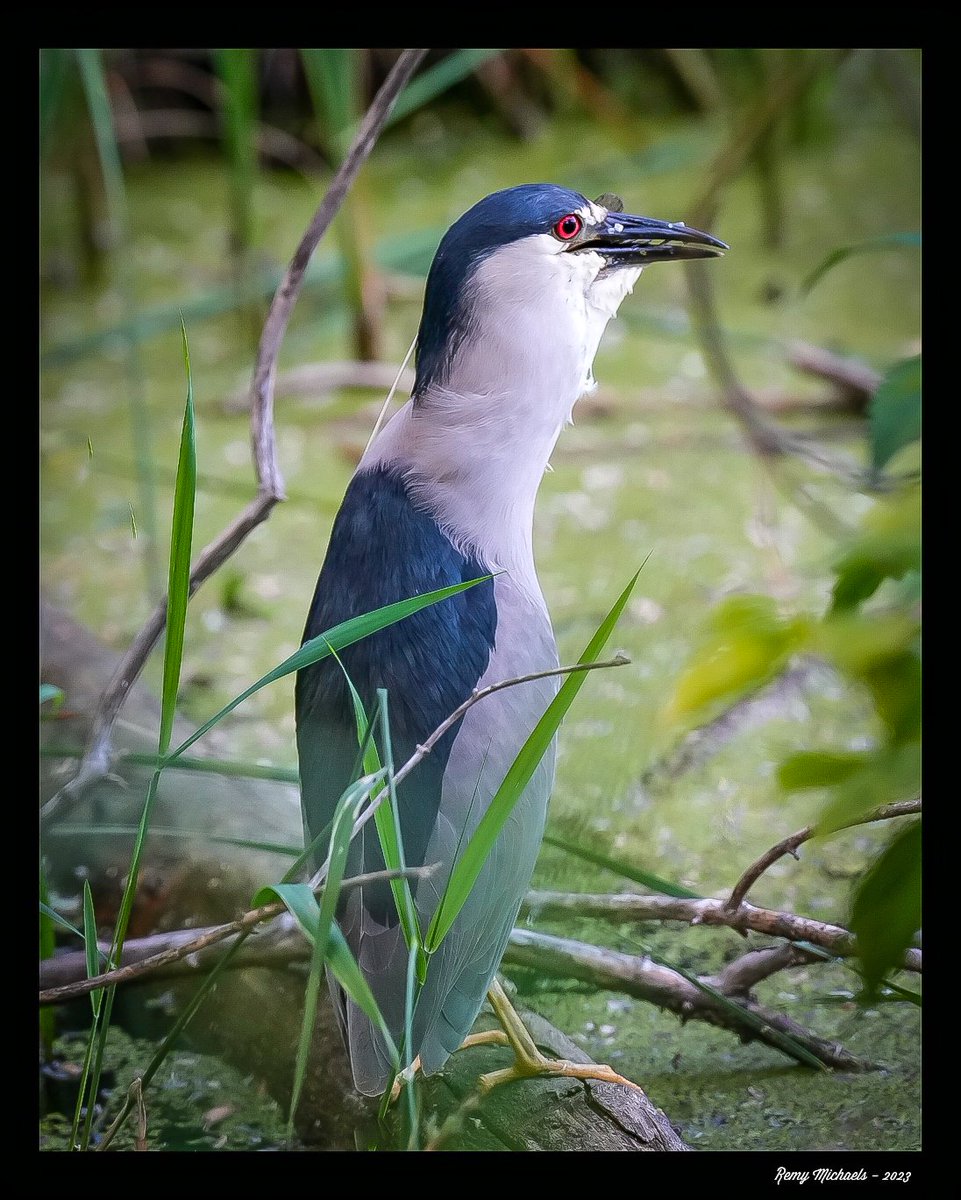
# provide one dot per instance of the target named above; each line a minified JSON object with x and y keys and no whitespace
{"x":488,"y":1037}
{"x":529,"y":1062}
{"x":530,"y":1068}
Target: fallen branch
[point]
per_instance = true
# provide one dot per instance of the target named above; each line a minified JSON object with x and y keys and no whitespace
{"x":270,"y":486}
{"x":281,"y":944}
{"x":162,"y":955}
{"x":660,"y":985}
{"x":789,"y":845}
{"x":630,"y":907}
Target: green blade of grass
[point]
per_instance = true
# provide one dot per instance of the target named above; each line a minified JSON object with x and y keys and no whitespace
{"x":207,"y":766}
{"x":91,"y":949}
{"x":178,"y":580}
{"x":336,"y":638}
{"x":57,"y":919}
{"x":625,"y":869}
{"x":469,"y":865}
{"x":437,"y":79}
{"x":887,"y":241}
{"x":385,"y":817}
{"x":346,"y":813}
{"x":178,"y":593}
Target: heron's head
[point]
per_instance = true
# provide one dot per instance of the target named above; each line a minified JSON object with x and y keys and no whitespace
{"x":538,"y":266}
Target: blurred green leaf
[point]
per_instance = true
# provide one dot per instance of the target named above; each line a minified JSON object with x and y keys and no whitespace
{"x":889,"y":774}
{"x":887,"y":546}
{"x":887,"y":241}
{"x":895,"y":687}
{"x":818,"y":768}
{"x":437,"y":79}
{"x":332,"y":75}
{"x":749,"y":644}
{"x":895,"y":412}
{"x":237,"y":68}
{"x":54,"y":65}
{"x":91,"y":949}
{"x":860,"y":642}
{"x":886,"y":910}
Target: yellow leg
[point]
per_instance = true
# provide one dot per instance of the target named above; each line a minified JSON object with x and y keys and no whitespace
{"x":488,"y":1037}
{"x":529,"y":1061}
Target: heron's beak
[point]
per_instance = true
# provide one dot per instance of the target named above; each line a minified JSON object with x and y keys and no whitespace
{"x":627,"y":241}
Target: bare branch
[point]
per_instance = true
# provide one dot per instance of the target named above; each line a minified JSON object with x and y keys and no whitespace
{"x":632,"y":907}
{"x":667,"y":989}
{"x":270,"y":486}
{"x":739,"y":976}
{"x":154,"y":955}
{"x":789,"y":845}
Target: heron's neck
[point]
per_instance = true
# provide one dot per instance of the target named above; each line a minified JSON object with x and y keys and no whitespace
{"x":475,"y":463}
{"x":476,"y":442}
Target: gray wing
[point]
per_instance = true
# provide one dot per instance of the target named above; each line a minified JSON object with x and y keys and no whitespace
{"x":461,"y":970}
{"x":491,"y":735}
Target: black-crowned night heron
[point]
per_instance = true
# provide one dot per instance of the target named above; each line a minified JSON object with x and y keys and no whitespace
{"x":518,"y":296}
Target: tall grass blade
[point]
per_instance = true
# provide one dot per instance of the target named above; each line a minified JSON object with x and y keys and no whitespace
{"x":437,"y":79}
{"x":177,"y":597}
{"x":620,"y":867}
{"x":385,"y":818}
{"x":475,"y":854}
{"x":336,"y":638}
{"x":181,"y":539}
{"x":346,"y":813}
{"x":889,"y":241}
{"x":52,"y":915}
{"x":185,"y":835}
{"x":90,"y":946}
{"x":205,"y":766}
{"x":333,"y":77}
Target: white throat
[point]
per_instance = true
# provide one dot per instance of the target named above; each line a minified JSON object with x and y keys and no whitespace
{"x":476,"y":449}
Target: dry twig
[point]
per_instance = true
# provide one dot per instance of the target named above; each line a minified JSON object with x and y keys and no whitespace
{"x":630,"y":907}
{"x":789,"y":845}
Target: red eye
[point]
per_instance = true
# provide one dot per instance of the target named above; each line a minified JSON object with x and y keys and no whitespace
{"x":568,"y":227}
